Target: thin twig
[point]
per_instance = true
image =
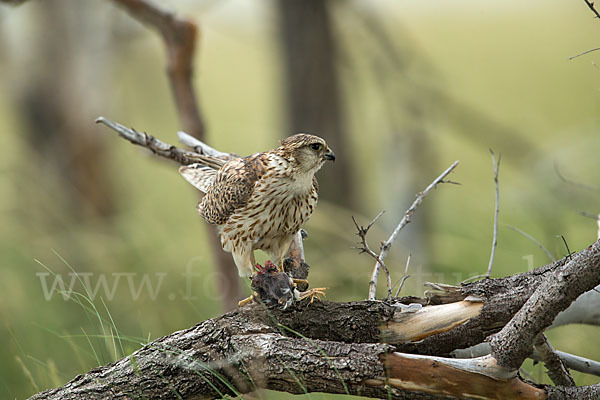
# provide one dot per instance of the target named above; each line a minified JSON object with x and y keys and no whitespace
{"x":567,"y":246}
{"x":573,"y":362}
{"x":385,"y":246}
{"x":591,"y":7}
{"x":557,"y":371}
{"x":404,"y":277}
{"x":528,"y":236}
{"x":364,"y":248}
{"x":584,"y":53}
{"x":572,"y":182}
{"x":202,"y":148}
{"x":495,"y":238}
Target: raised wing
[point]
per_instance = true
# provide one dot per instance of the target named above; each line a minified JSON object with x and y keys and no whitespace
{"x":199,"y":175}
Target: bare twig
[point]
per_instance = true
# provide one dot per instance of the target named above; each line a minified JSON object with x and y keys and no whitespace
{"x":570,"y":181}
{"x":584,"y":53}
{"x":497,"y":210}
{"x":566,"y":245}
{"x":202,"y":148}
{"x":528,"y":236}
{"x":364,"y":248}
{"x":557,"y":370}
{"x":158,"y":147}
{"x":590,"y":5}
{"x":588,"y":215}
{"x":404,"y":277}
{"x":386,"y":246}
{"x":571,"y":361}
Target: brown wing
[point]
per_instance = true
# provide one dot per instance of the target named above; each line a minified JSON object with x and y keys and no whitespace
{"x":212,"y":162}
{"x":232,"y":188}
{"x":199,"y":175}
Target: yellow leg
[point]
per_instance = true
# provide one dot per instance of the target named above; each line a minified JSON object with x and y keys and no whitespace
{"x":313,"y":294}
{"x":247,"y":300}
{"x":280,"y":266}
{"x":302,"y":281}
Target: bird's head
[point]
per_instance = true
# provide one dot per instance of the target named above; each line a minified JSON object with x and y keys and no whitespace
{"x":307,"y":152}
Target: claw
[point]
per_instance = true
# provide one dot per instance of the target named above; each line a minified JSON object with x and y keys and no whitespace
{"x":313,"y":294}
{"x":247,"y":300}
{"x":300,"y":281}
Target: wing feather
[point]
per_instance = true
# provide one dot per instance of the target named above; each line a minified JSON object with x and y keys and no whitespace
{"x":199,"y":175}
{"x":232,"y":188}
{"x":209,"y":161}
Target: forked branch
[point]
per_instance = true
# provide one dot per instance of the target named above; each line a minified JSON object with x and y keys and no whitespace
{"x":362,"y":231}
{"x":387,"y":245}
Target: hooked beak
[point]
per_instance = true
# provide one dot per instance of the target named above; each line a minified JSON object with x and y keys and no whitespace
{"x":329,"y":155}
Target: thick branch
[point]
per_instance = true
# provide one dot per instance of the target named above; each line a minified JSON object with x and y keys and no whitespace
{"x":245,"y":350}
{"x":335,"y":347}
{"x":514,"y":342}
{"x":296,"y":350}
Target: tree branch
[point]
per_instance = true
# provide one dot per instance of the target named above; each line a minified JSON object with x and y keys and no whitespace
{"x":591,"y":7}
{"x":245,"y":350}
{"x":339,"y":347}
{"x":514,"y":342}
{"x":496,"y":166}
{"x":387,"y":245}
{"x":557,"y":371}
{"x":183,"y":157}
{"x":362,"y":231}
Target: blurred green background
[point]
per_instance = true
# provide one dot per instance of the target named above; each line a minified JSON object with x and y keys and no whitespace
{"x":415,"y":86}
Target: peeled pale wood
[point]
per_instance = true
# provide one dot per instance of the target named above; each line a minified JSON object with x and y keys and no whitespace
{"x":436,"y":375}
{"x":428,"y":321}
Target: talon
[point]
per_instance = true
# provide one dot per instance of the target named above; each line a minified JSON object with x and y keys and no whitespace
{"x":312,"y":293}
{"x":300,"y":281}
{"x":247,"y":300}
{"x":300,"y":284}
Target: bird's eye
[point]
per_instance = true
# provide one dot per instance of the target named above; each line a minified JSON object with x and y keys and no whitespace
{"x":316,"y":146}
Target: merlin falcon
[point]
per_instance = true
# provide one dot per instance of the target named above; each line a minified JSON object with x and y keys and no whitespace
{"x":260,"y":202}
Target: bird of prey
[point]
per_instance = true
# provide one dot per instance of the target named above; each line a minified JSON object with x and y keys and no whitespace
{"x":260,"y":202}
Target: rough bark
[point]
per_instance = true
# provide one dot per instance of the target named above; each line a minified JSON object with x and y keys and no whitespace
{"x":555,"y":293}
{"x":345,"y":347}
{"x":230,"y":355}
